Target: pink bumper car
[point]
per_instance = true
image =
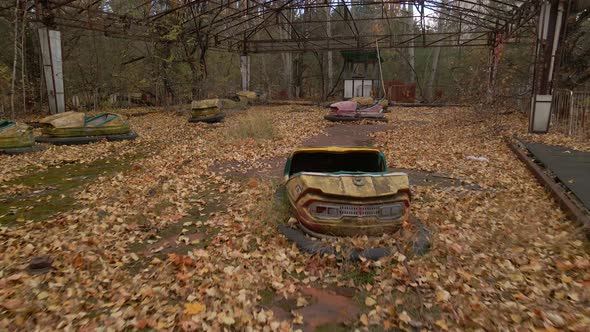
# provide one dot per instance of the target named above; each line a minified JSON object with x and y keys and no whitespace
{"x":345,"y":111}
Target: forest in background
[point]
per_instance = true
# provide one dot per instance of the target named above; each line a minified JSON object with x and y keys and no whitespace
{"x":181,"y":65}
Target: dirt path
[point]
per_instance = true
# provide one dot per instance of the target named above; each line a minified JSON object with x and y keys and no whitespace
{"x":345,"y":135}
{"x":348,"y":135}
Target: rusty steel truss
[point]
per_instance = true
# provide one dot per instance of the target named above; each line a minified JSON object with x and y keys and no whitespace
{"x":265,"y":26}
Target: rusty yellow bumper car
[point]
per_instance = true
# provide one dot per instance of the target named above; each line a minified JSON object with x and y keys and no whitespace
{"x":207,"y":110}
{"x":16,"y":138}
{"x":252,"y":97}
{"x":337,"y":191}
{"x":78,"y":128}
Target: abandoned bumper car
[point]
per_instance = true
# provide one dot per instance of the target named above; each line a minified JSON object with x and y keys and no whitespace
{"x":345,"y":192}
{"x":350,"y":110}
{"x":16,"y":138}
{"x":252,"y":97}
{"x":208,"y":111}
{"x":77,"y":128}
{"x":335,"y":192}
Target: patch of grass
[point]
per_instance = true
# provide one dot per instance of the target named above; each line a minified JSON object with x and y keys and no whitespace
{"x":267,"y":297}
{"x":413,"y":303}
{"x":252,"y":125}
{"x":274,"y":210}
{"x":174,"y":230}
{"x":52,"y":190}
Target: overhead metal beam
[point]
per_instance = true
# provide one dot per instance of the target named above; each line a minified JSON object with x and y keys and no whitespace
{"x":236,"y":25}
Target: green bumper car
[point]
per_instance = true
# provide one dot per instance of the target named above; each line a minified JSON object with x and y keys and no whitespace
{"x":208,"y":111}
{"x":77,"y":128}
{"x":16,"y":138}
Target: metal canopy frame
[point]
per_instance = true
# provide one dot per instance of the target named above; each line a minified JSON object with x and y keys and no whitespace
{"x":269,"y":26}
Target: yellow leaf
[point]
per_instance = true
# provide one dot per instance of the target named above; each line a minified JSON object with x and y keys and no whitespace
{"x":193,"y":308}
{"x":42,"y":295}
{"x":369,"y":301}
{"x":227,"y":320}
{"x":516,"y":318}
{"x":365,"y":319}
{"x":404,"y":317}
{"x":442,"y":295}
{"x":442,"y":324}
{"x":301,"y":302}
{"x":559,"y":295}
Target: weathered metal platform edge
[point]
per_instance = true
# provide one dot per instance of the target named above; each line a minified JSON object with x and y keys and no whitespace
{"x":570,"y":205}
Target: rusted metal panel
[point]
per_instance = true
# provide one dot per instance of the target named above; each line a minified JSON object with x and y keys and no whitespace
{"x":400,"y":92}
{"x":351,"y":186}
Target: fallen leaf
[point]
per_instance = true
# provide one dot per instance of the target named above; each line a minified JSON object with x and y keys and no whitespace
{"x":12,"y":305}
{"x":301,"y":302}
{"x":193,"y":308}
{"x":404,"y":317}
{"x":442,"y":295}
{"x":364,"y":319}
{"x":442,"y":324}
{"x":369,"y":301}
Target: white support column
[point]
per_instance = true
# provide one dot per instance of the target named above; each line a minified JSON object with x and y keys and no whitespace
{"x":245,"y":71}
{"x":50,"y":41}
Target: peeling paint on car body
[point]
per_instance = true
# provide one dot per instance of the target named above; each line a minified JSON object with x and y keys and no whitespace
{"x":351,"y":193}
{"x":77,"y":124}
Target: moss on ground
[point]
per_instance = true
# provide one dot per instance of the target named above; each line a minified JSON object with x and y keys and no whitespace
{"x":171,"y":233}
{"x":52,"y":191}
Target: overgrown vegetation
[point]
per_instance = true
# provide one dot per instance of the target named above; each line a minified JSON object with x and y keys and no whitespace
{"x":252,"y":125}
{"x":48,"y":192}
{"x":274,"y":208}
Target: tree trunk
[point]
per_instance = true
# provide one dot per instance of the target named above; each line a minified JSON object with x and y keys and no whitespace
{"x":433,"y":70}
{"x":435,"y":58}
{"x":411,"y":53}
{"x":329,"y":54}
{"x":322,"y":80}
{"x":12,"y":87}
{"x":163,"y":50}
{"x":287,"y":61}
{"x":194,"y":80}
{"x":203,"y":73}
{"x":288,"y":73}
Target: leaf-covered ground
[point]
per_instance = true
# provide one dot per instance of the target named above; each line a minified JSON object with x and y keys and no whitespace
{"x":166,"y":238}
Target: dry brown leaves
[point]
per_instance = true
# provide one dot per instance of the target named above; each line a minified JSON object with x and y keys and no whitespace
{"x":504,"y":256}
